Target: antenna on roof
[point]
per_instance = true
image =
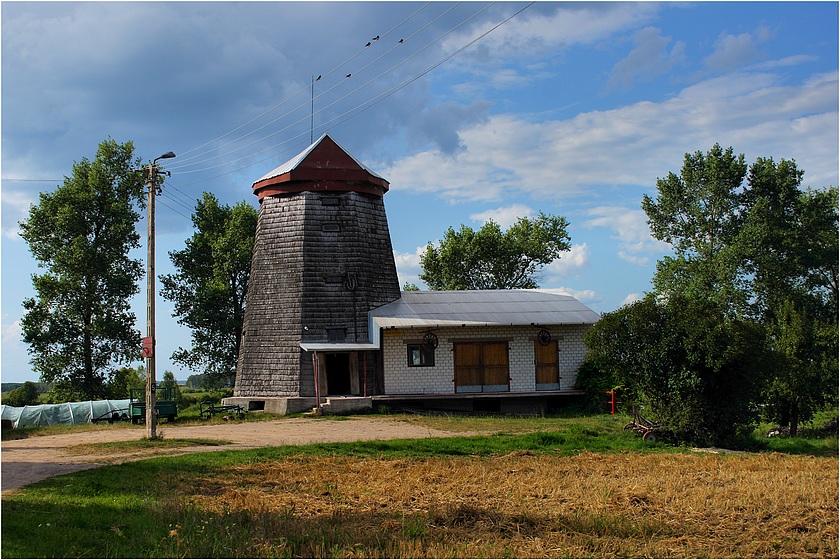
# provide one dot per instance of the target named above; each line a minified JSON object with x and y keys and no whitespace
{"x":312,"y":112}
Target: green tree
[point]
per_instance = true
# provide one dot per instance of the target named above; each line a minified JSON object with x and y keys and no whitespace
{"x":25,"y":395}
{"x":80,"y":326}
{"x":698,"y":372}
{"x":490,"y":259}
{"x":195,"y":381}
{"x":169,"y":381}
{"x":790,"y":246}
{"x":766,"y":252}
{"x":124,"y":380}
{"x":699,"y":214}
{"x":210,"y":286}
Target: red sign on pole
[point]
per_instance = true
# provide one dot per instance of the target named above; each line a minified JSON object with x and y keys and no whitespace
{"x":148,"y":347}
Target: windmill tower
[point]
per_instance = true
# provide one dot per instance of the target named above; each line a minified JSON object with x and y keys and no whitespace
{"x":322,"y":260}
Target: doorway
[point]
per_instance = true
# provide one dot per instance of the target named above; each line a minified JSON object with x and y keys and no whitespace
{"x":338,"y":373}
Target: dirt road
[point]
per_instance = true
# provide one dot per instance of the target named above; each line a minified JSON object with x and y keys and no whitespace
{"x":30,"y":460}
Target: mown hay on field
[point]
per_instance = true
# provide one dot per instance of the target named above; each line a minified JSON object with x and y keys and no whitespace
{"x":518,"y":505}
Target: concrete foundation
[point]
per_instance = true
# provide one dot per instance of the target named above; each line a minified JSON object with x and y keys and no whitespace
{"x":293,"y":405}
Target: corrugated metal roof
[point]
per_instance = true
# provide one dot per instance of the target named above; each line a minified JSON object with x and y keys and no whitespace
{"x":483,"y":307}
{"x":295,"y":161}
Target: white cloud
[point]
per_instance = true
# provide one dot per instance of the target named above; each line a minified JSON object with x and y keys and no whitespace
{"x":541,"y":28}
{"x":15,"y":207}
{"x":505,"y":216}
{"x":570,"y":262}
{"x":583,"y":296}
{"x":649,"y":58}
{"x":634,"y":145}
{"x":408,"y":266}
{"x":11,"y":333}
{"x":630,"y":299}
{"x":734,"y":51}
{"x":635,"y":242}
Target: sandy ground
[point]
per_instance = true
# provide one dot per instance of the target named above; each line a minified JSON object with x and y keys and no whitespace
{"x":30,"y":460}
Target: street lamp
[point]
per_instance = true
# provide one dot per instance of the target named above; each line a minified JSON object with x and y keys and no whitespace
{"x":149,"y":343}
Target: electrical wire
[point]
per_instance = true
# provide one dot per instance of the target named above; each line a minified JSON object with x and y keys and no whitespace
{"x":162,"y":203}
{"x":351,"y":113}
{"x":362,"y":86}
{"x":292,"y":97}
{"x":395,"y":89}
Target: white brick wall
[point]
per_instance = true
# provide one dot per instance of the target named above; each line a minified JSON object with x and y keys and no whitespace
{"x":440,"y":379}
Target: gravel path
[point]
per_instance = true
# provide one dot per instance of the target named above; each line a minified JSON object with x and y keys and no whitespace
{"x":30,"y":460}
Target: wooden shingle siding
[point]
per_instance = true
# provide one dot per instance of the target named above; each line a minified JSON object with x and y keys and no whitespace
{"x":289,"y":297}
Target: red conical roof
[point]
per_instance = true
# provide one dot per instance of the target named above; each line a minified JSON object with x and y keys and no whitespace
{"x":323,"y":166}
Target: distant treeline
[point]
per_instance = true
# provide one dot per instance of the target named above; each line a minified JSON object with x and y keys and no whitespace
{"x":42,"y":387}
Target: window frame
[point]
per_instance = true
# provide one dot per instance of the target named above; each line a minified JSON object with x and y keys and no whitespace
{"x":427,"y":355}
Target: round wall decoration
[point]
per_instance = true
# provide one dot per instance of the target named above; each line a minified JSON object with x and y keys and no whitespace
{"x":430,"y":340}
{"x":544,"y":337}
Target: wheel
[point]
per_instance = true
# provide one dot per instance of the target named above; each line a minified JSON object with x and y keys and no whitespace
{"x":650,"y":436}
{"x":629,"y":426}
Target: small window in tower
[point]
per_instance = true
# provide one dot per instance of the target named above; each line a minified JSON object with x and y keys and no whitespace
{"x":330,"y":227}
{"x":336,"y":334}
{"x":330,"y":200}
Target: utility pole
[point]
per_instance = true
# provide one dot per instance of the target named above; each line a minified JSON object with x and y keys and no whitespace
{"x":150,"y":343}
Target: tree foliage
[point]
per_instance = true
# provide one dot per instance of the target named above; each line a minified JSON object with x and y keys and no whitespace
{"x":698,"y":214}
{"x":697,"y":372}
{"x":123,"y":381}
{"x":25,"y":395}
{"x":751,"y":290}
{"x":790,"y":248}
{"x":80,"y":326}
{"x":210,"y":286}
{"x":492,"y":259}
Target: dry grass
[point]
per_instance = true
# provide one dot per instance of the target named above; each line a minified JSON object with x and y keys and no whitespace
{"x":517,"y":505}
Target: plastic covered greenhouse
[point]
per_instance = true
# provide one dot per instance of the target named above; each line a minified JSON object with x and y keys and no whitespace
{"x":65,"y":413}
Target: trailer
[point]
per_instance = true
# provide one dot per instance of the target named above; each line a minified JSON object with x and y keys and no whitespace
{"x":165,"y":404}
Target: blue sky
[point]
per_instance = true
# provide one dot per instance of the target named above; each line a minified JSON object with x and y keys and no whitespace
{"x":567,"y":108}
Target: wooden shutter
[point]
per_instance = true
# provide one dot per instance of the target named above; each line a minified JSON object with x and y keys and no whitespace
{"x":467,"y":367}
{"x":495,"y":366}
{"x":546,"y":365}
{"x":481,"y":367}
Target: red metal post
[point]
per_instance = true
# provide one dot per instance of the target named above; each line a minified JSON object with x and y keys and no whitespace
{"x":611,"y":402}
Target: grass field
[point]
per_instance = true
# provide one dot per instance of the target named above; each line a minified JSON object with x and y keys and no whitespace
{"x":578,"y":487}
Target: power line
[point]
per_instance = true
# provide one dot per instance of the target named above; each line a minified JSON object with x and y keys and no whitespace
{"x":395,"y":89}
{"x":162,"y":203}
{"x":360,"y":108}
{"x":12,"y":180}
{"x":335,"y":102}
{"x":290,"y":98}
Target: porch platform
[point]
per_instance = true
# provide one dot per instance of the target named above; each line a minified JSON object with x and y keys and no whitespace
{"x":528,"y":403}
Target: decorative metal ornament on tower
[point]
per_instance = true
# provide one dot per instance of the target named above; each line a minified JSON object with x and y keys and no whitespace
{"x":322,"y":260}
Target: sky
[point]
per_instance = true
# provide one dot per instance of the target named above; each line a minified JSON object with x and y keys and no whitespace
{"x":472,"y":111}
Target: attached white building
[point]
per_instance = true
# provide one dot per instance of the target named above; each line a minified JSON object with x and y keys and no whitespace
{"x":498,"y":350}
